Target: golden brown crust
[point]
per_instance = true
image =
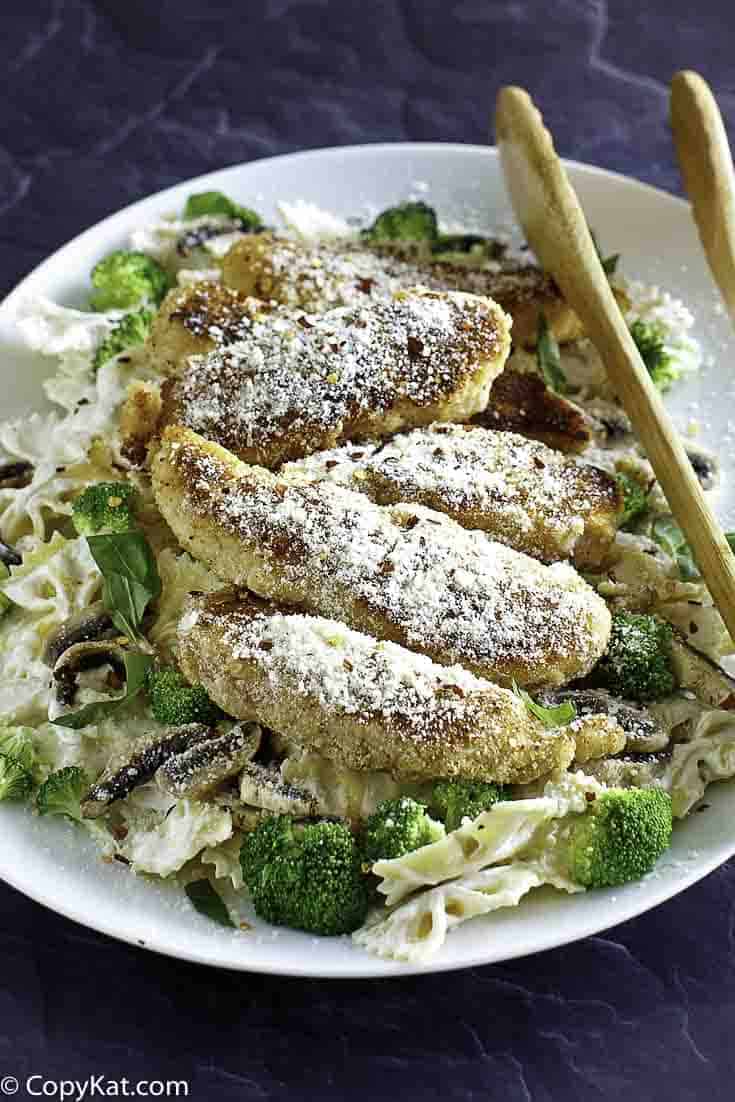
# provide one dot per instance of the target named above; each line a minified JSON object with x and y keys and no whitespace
{"x":519,"y":491}
{"x":138,"y":420}
{"x":298,"y":384}
{"x":524,"y":292}
{"x":196,"y":319}
{"x":369,"y":705}
{"x":320,"y":277}
{"x":400,"y":572}
{"x":522,"y":402}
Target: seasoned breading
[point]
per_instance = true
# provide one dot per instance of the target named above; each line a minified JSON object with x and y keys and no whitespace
{"x":400,"y":572}
{"x":520,"y":401}
{"x":524,"y":291}
{"x":298,"y":384}
{"x":318,"y":277}
{"x":138,"y":420}
{"x":370,"y":705}
{"x":195,"y":320}
{"x":520,"y":492}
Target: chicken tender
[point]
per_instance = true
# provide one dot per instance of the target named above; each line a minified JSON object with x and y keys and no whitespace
{"x":318,"y":277}
{"x":520,"y":401}
{"x":369,"y":705}
{"x":400,"y":572}
{"x":296,"y":385}
{"x":197,"y":319}
{"x":520,"y":492}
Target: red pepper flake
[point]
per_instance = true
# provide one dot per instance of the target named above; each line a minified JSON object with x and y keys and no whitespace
{"x":304,"y":322}
{"x":365,"y":285}
{"x":386,"y":567}
{"x":348,"y":665}
{"x":266,"y":644}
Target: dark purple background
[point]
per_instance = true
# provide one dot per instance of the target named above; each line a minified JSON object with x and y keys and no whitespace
{"x":103,"y":102}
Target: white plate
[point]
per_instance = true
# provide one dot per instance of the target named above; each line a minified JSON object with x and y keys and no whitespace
{"x":55,"y":864}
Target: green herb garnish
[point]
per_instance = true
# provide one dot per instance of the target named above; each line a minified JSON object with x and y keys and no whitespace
{"x":550,"y":717}
{"x":137,"y":666}
{"x":669,"y":536}
{"x":208,"y":902}
{"x":130,"y":576}
{"x":609,"y":263}
{"x":548,"y":357}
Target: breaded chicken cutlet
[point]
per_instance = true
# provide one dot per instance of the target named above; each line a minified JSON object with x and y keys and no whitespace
{"x":518,"y":491}
{"x":400,"y":572}
{"x":520,"y":401}
{"x":318,"y":277}
{"x":295,"y":385}
{"x":370,"y":705}
{"x":196,"y":319}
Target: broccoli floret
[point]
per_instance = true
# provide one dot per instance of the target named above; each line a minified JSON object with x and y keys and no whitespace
{"x":397,"y":827}
{"x":308,"y":878}
{"x":206,"y":203}
{"x":619,"y":838}
{"x":16,"y":781}
{"x":17,"y":743}
{"x":104,"y":507}
{"x":650,"y":341}
{"x":175,"y":702}
{"x":130,"y":330}
{"x":635,"y":498}
{"x":456,"y":799}
{"x":62,"y":793}
{"x":123,"y":279}
{"x":637,"y":662}
{"x":17,"y":761}
{"x":406,"y":222}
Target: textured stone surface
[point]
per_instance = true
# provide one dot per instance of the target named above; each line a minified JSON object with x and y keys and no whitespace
{"x":103,"y":102}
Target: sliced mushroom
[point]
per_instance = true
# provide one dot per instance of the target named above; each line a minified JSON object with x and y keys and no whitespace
{"x":92,"y":623}
{"x":14,"y":476}
{"x":9,"y":556}
{"x":631,"y":770}
{"x":207,"y":764}
{"x":81,"y":657}
{"x":702,"y":676}
{"x":264,"y":787}
{"x":611,"y":424}
{"x":705,"y":465}
{"x":194,"y":238}
{"x":643,"y":732}
{"x":139,"y":763}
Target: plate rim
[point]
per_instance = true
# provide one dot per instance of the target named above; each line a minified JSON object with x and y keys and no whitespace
{"x":364,"y":966}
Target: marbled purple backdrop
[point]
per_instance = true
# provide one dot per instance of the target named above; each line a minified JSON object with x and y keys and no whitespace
{"x":104,"y":101}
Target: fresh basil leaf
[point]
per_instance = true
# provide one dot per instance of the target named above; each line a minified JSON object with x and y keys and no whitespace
{"x":670,"y":538}
{"x":550,"y":717}
{"x":130,"y":576}
{"x":609,"y":263}
{"x":208,"y":902}
{"x":136,"y":670}
{"x":548,"y":358}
